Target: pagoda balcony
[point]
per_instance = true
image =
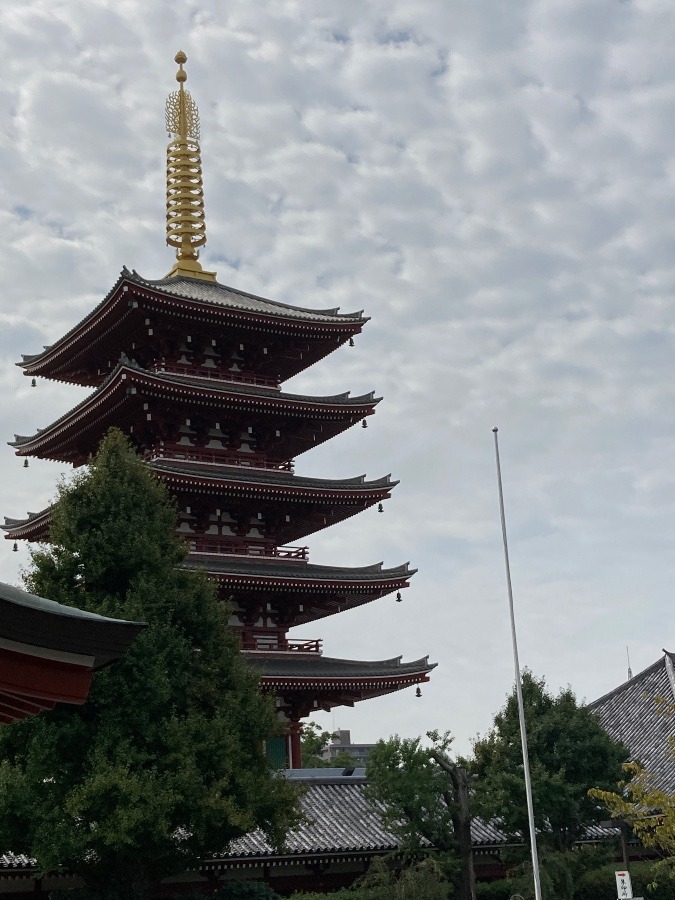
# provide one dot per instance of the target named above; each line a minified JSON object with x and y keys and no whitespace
{"x":242,"y":547}
{"x":170,"y":450}
{"x":217,"y":374}
{"x":273,"y":643}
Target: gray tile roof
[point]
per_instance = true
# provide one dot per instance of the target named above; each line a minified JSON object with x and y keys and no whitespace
{"x":11,"y":523}
{"x":17,"y":861}
{"x":36,"y":621}
{"x":634,"y":713}
{"x":340,"y":818}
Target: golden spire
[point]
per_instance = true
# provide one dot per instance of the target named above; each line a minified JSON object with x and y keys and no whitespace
{"x":185,"y":226}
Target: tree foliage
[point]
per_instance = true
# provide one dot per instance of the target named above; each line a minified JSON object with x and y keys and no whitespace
{"x":165,"y":761}
{"x":649,"y":811}
{"x":569,"y":754}
{"x":426,"y":799}
{"x":422,"y":880}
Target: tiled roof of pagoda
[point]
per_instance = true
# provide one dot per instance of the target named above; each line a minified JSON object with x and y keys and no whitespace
{"x":193,"y":295}
{"x":190,"y":382}
{"x":279,"y":572}
{"x":638,"y":713}
{"x":221,"y":294}
{"x":127,"y":379}
{"x":275,"y":479}
{"x":330,"y":500}
{"x":34,"y":526}
{"x":284,"y":665}
{"x":312,"y":681}
{"x":319,"y":591}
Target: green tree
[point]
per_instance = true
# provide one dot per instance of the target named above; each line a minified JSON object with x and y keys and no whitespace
{"x":422,"y":880}
{"x":569,"y":753}
{"x":648,"y":810}
{"x":426,"y":799}
{"x":165,"y":761}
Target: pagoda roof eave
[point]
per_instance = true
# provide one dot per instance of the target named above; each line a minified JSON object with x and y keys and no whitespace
{"x":334,"y":682}
{"x":282,"y":664}
{"x":279,"y":574}
{"x":234,"y":480}
{"x":217,"y":386}
{"x":314,"y":591}
{"x":280,"y":482}
{"x":34,"y":527}
{"x":263,"y":399}
{"x":196,"y":294}
{"x":214,"y":292}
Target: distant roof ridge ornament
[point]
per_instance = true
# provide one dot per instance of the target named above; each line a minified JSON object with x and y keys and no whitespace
{"x":670,"y":671}
{"x":185,"y":224}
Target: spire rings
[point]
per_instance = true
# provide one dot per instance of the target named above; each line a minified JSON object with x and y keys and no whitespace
{"x":185,"y":221}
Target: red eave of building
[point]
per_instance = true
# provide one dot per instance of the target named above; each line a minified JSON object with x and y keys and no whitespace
{"x":34,"y":679}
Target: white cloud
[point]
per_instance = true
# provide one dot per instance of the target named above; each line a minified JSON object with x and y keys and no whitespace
{"x":493,"y":183}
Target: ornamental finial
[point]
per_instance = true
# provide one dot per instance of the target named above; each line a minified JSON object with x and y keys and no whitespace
{"x":185,"y":224}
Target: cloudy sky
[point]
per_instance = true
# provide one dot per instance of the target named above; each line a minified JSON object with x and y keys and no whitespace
{"x":493,"y":182}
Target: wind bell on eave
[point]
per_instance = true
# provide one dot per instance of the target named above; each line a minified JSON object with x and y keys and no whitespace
{"x":185,"y":224}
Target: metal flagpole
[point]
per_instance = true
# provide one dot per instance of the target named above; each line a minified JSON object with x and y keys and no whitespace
{"x":519,"y":688}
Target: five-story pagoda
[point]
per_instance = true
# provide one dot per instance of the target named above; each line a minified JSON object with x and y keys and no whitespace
{"x":192,"y":371}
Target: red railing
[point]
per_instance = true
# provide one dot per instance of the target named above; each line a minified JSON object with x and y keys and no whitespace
{"x":197,"y":371}
{"x":219,"y":457}
{"x":273,"y":642}
{"x":224,"y":545}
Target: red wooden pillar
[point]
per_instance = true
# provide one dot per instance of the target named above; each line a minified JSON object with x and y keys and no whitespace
{"x":294,"y":749}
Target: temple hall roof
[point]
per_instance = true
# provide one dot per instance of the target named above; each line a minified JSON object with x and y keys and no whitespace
{"x":340,"y":818}
{"x":48,"y":652}
{"x":28,"y":619}
{"x":637,"y":713}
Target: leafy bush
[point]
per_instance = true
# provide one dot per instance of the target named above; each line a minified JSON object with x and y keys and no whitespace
{"x":495,"y":890}
{"x":599,"y":884}
{"x":246,"y":890}
{"x":421,"y":881}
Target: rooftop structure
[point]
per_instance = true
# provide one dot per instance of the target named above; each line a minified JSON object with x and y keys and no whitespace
{"x":192,"y":371}
{"x":49,"y":652}
{"x":341,"y":743}
{"x":640,"y":714}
